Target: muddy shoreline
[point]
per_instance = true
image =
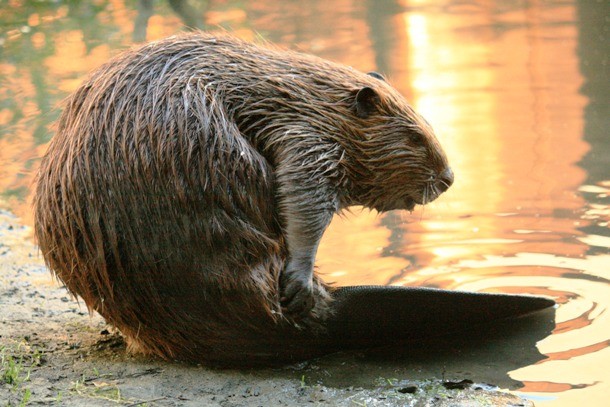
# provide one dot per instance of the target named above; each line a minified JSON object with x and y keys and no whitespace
{"x":54,"y":353}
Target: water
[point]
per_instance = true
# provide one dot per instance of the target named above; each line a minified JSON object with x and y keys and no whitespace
{"x":517,"y":92}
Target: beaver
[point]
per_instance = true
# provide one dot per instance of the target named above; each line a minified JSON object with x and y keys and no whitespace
{"x":189,"y":183}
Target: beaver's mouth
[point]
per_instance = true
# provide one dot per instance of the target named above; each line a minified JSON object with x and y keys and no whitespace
{"x":409,"y":203}
{"x":431,"y":189}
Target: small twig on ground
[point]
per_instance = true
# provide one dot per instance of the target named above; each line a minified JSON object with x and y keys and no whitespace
{"x":145,"y":401}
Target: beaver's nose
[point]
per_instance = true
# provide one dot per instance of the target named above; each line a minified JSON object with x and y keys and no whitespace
{"x":444,"y":180}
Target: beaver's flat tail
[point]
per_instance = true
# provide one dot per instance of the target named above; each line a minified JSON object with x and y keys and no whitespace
{"x":368,"y":316}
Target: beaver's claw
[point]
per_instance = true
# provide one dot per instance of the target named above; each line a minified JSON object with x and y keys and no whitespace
{"x":296,"y":295}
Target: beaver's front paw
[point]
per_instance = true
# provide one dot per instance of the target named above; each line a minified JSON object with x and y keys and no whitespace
{"x":304,"y":300}
{"x":296,"y":294}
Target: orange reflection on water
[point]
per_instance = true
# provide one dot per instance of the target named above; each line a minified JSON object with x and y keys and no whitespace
{"x":16,"y":148}
{"x":506,"y":106}
{"x":351,"y":251}
{"x":73,"y":58}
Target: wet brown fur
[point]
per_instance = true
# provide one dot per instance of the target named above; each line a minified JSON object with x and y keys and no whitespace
{"x":158,"y":203}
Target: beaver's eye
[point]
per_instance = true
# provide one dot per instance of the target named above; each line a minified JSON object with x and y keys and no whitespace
{"x":376,"y":75}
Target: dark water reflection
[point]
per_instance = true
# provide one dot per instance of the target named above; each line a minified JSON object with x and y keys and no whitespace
{"x":517,"y":92}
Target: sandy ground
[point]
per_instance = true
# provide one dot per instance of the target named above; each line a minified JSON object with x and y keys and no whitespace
{"x":53,"y":352}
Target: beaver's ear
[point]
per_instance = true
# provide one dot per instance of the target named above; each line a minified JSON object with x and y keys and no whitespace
{"x":366,"y":102}
{"x":376,"y":75}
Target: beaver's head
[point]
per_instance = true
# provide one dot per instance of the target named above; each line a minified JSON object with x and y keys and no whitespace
{"x":402,"y":162}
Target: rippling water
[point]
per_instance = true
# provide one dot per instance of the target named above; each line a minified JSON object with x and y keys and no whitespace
{"x":518,"y":95}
